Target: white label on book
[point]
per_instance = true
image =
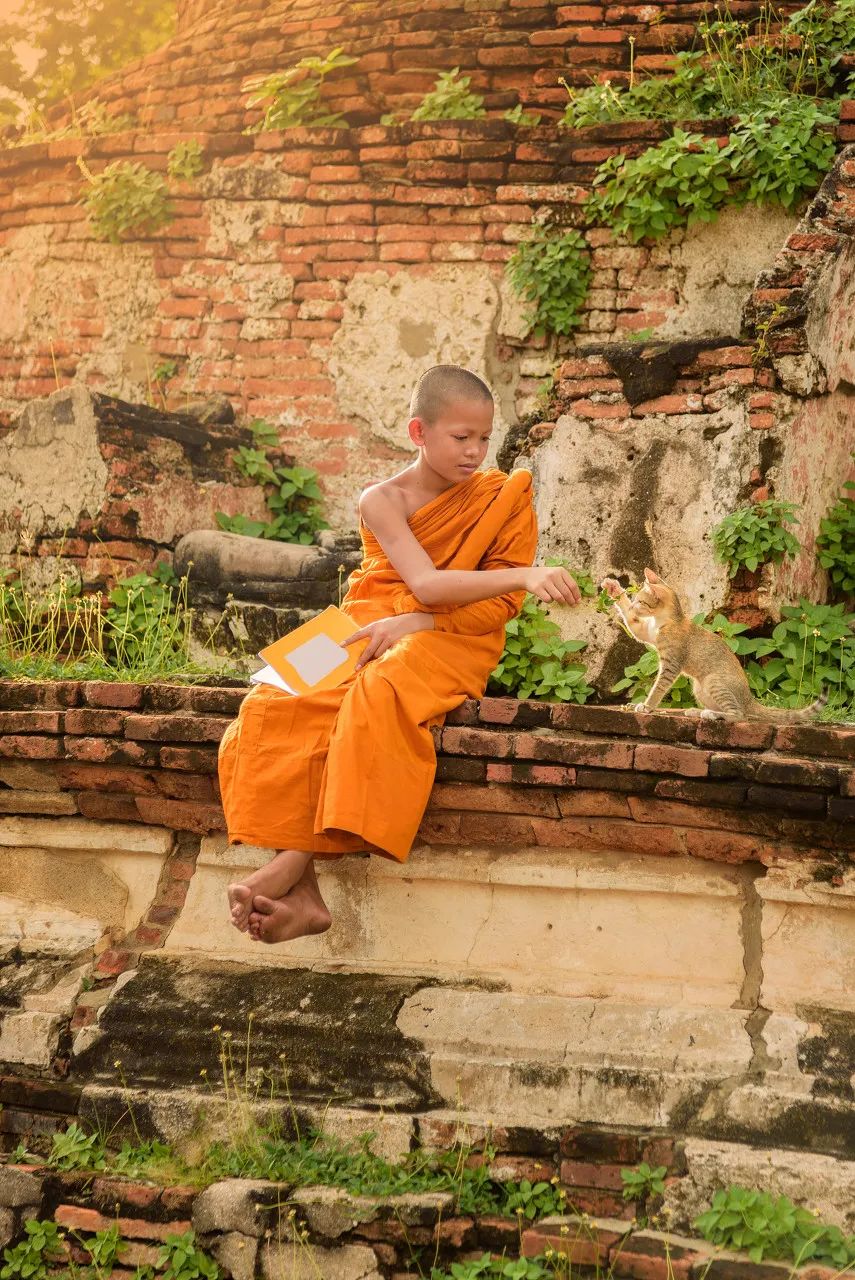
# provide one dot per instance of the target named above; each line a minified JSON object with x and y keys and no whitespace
{"x":317,"y":658}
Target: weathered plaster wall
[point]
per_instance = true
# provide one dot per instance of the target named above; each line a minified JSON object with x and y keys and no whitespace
{"x":647,"y":494}
{"x":312,"y":276}
{"x":819,"y":440}
{"x":92,"y":488}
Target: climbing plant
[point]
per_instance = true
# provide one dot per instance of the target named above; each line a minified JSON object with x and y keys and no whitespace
{"x":810,"y":651}
{"x":755,"y":535}
{"x":450,"y":99}
{"x":769,"y":1226}
{"x":125,"y":197}
{"x":293,"y":97}
{"x":185,"y":160}
{"x":293,"y":498}
{"x":835,"y":543}
{"x":536,"y":662}
{"x":552,"y":271}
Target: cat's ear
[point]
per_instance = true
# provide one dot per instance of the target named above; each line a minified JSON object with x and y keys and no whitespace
{"x":652,"y":577}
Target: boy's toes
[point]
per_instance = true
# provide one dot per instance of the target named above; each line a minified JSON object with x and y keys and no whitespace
{"x":240,"y":903}
{"x":263,"y":906}
{"x":254,"y":925}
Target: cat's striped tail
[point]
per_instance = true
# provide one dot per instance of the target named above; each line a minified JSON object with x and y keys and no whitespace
{"x":789,"y":714}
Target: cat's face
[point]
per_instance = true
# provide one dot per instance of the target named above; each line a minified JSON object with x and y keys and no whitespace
{"x":655,"y":599}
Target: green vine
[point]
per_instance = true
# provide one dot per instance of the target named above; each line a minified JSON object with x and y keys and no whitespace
{"x":810,"y":651}
{"x":293,"y":98}
{"x":31,"y":1258}
{"x":180,"y":1258}
{"x":775,"y":155}
{"x":756,"y":535}
{"x":125,"y":197}
{"x":552,"y":271}
{"x":450,"y":99}
{"x":773,"y":1227}
{"x":519,"y":116}
{"x":835,"y":543}
{"x":185,"y":160}
{"x":294,"y":500}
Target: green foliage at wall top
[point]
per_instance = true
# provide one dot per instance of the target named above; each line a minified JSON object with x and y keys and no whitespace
{"x":835,"y":543}
{"x":292,"y":98}
{"x":125,"y":198}
{"x":450,"y":99}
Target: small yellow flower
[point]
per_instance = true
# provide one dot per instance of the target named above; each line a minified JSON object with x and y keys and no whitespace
{"x":118,"y":1062}
{"x":216,"y":1027}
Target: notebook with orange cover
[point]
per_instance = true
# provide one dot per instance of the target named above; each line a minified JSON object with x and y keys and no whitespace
{"x":312,"y":656}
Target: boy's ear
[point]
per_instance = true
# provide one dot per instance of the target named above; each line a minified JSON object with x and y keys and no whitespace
{"x":416,"y":429}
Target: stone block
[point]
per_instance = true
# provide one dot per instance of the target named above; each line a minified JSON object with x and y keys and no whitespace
{"x":297,"y":1261}
{"x":19,"y":1187}
{"x":234,"y":1205}
{"x":29,"y":1038}
{"x":236,"y":1254}
{"x":331,"y":1211}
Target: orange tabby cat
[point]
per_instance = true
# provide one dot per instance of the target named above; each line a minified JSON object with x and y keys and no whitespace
{"x":655,"y":616}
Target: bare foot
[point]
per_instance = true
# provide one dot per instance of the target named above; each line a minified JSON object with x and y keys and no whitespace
{"x":298,"y":915}
{"x":240,"y":905}
{"x":274,"y":879}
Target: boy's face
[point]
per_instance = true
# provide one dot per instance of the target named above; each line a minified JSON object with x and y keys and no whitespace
{"x":455,"y":443}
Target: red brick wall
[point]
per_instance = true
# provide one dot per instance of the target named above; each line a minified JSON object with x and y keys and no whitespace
{"x":514,"y":50}
{"x":509,"y":772}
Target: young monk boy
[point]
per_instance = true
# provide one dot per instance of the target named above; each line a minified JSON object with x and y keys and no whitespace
{"x":447,"y":560}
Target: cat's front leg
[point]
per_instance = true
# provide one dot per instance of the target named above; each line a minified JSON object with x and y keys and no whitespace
{"x":668,"y":673}
{"x":622,"y":605}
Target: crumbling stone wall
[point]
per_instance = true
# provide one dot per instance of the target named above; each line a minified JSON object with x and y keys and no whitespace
{"x":93,"y":489}
{"x":617,"y":935}
{"x":657,"y":442}
{"x":311,"y":275}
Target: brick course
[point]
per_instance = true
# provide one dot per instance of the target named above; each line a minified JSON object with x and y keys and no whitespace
{"x":508,"y":772}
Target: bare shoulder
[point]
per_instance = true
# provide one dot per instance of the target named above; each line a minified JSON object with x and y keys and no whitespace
{"x":382,"y":502}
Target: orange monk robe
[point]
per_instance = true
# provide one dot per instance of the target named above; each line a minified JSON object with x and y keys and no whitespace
{"x":343,"y":769}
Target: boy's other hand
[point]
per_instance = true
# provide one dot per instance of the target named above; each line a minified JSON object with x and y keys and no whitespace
{"x":612,"y":588}
{"x":552,"y":583}
{"x":385,"y":632}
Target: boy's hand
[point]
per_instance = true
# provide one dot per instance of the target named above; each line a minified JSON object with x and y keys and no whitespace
{"x":385,"y":632}
{"x":612,"y":588}
{"x":550,"y":583}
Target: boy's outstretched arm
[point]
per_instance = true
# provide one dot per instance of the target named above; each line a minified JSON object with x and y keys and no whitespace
{"x":434,"y":587}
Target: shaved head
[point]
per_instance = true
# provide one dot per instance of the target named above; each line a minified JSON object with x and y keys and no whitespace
{"x":441,"y":386}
